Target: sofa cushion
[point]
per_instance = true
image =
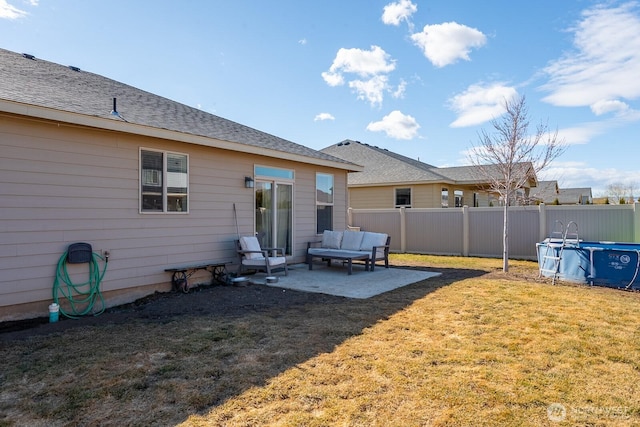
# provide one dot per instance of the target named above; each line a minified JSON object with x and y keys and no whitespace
{"x":331,"y":239}
{"x":371,"y":239}
{"x":250,"y":243}
{"x":351,"y":240}
{"x":322,"y":251}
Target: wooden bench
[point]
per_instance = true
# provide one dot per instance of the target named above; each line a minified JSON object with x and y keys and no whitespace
{"x":180,"y":274}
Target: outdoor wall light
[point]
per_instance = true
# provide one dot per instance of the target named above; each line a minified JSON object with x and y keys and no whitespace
{"x":248,"y":182}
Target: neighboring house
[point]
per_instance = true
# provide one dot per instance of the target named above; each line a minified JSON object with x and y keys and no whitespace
{"x":391,"y":180}
{"x":550,"y":193}
{"x":575,"y":196}
{"x":546,"y":192}
{"x":156,"y":183}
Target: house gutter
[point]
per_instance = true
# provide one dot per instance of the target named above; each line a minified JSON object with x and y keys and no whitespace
{"x":402,"y":183}
{"x":75,"y":119}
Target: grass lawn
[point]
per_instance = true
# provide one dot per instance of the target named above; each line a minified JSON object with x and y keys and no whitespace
{"x":472,"y":347}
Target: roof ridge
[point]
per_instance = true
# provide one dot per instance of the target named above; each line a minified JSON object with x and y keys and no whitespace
{"x":42,"y":83}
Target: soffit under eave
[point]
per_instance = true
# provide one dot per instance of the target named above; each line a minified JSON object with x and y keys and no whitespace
{"x":75,"y":119}
{"x":400,"y":184}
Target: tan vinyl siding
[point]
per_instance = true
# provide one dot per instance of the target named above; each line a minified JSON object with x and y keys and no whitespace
{"x":371,"y":197}
{"x":426,"y":196}
{"x":422,"y":196}
{"x":64,"y":184}
{"x":383,"y":197}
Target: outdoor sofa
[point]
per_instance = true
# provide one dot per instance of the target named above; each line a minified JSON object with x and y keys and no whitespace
{"x":342,"y":244}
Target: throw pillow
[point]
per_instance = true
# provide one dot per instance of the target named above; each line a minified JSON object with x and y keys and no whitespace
{"x":331,"y":239}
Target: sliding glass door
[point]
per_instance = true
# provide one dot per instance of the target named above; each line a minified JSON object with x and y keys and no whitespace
{"x":274,"y":214}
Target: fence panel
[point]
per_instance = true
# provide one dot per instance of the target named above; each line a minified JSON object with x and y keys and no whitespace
{"x":485,"y":232}
{"x":602,"y":222}
{"x":438,"y":231}
{"x":478,"y":231}
{"x":524,"y":231}
{"x":381,"y":221}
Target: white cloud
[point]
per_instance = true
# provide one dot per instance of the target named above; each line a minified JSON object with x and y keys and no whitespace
{"x":480,"y":104}
{"x":394,"y":13}
{"x":333,"y":79}
{"x":585,"y":132}
{"x":323,"y":116}
{"x":302,"y":41}
{"x":400,"y":90}
{"x":396,"y":125}
{"x":579,"y":134}
{"x":370,"y":68}
{"x":8,"y":11}
{"x":364,"y":63}
{"x":609,"y":106}
{"x":444,"y":44}
{"x":371,"y":90}
{"x":605,"y":64}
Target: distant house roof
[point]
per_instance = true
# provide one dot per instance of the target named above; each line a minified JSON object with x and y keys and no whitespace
{"x":68,"y":94}
{"x":545,"y":191}
{"x":569,"y":196}
{"x":549,"y":191}
{"x":384,"y":167}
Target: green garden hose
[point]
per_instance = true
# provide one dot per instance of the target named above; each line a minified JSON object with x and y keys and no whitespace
{"x":82,"y":297}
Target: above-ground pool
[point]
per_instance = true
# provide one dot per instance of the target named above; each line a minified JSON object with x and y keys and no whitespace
{"x":598,"y":263}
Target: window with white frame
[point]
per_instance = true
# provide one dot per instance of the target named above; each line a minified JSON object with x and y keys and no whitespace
{"x":459,"y":198}
{"x":444,"y":198}
{"x":403,"y":197}
{"x":164,"y":181}
{"x":324,"y":202}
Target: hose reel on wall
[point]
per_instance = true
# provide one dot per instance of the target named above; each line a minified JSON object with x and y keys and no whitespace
{"x":80,"y":298}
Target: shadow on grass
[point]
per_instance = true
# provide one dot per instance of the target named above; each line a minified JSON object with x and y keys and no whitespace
{"x":169,"y":356}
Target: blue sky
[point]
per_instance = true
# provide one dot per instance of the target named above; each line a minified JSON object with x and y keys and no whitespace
{"x":418,"y":77}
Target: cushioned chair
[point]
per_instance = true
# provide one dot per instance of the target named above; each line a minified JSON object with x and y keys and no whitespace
{"x":253,"y":257}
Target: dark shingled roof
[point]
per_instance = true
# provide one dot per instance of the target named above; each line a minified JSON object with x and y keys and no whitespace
{"x":382,"y":166}
{"x":546,"y":191}
{"x":32,"y":81}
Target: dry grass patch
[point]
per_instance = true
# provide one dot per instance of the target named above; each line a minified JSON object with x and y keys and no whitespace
{"x":479,"y":352}
{"x":480,"y":348}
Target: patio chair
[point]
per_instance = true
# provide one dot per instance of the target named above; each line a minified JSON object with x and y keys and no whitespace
{"x":253,"y":257}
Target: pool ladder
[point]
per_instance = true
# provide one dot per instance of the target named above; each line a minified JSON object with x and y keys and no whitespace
{"x":560,"y":237}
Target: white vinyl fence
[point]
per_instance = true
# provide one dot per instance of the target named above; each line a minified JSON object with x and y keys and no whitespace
{"x":478,"y":231}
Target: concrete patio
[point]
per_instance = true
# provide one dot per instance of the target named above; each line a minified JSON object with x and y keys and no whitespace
{"x":334,"y":280}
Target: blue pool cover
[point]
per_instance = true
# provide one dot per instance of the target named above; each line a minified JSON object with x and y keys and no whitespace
{"x":609,"y":264}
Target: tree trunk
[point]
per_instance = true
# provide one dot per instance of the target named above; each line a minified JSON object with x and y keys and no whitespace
{"x":505,"y":238}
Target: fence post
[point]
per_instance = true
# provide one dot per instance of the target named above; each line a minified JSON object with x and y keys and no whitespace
{"x":403,"y":230}
{"x":542,"y":232}
{"x":349,"y":217}
{"x":465,"y":230}
{"x":636,"y":222}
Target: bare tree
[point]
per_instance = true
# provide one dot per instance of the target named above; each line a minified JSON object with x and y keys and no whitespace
{"x":510,"y":156}
{"x":619,"y":191}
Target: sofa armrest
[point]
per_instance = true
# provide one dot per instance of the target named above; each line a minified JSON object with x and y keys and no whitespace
{"x":374,"y":253}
